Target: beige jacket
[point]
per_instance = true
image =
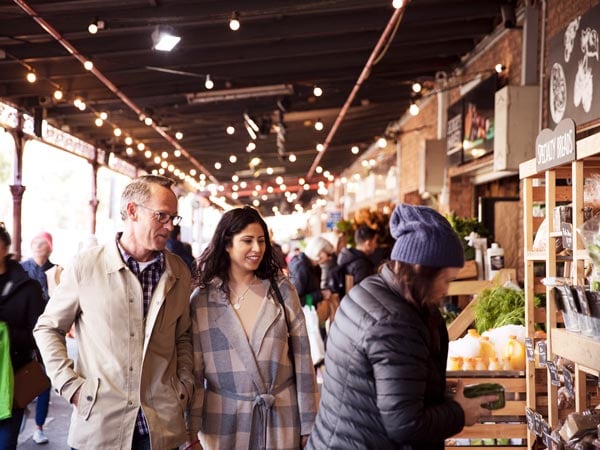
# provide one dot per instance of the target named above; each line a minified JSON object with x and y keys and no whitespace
{"x":124,"y":362}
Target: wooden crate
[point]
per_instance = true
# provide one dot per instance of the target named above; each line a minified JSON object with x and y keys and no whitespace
{"x":506,"y":423}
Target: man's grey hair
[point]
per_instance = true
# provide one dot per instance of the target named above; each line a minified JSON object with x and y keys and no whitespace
{"x":138,"y":191}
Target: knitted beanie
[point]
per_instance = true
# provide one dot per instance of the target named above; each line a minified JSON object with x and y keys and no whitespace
{"x":423,"y":236}
{"x":317,"y":245}
{"x":44,"y":236}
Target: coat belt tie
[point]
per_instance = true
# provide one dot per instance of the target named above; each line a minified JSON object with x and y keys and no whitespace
{"x":262,"y":404}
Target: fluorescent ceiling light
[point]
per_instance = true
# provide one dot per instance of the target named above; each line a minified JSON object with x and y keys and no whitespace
{"x":240,"y":93}
{"x":164,"y":39}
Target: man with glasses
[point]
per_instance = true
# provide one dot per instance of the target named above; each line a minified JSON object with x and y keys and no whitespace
{"x":128,"y":300}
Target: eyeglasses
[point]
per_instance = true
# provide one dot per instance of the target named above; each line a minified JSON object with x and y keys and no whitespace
{"x":162,"y":217}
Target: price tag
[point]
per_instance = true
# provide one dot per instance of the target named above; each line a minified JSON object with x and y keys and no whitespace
{"x":538,"y":421}
{"x":542,"y":352}
{"x":530,"y":414}
{"x":553,"y":373}
{"x":569,"y":382}
{"x":546,"y":434}
{"x":529,"y":349}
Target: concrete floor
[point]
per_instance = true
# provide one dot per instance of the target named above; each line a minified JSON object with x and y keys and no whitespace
{"x":57,"y":422}
{"x":56,"y":427}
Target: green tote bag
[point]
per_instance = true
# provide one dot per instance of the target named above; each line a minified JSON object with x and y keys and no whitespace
{"x":6,"y":374}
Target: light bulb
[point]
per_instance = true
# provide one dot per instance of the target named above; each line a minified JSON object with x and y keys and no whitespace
{"x":398,"y":4}
{"x":234,"y":22}
{"x":88,"y":65}
{"x":318,"y":125}
{"x":99,"y":122}
{"x":354,"y":149}
{"x":93,"y":28}
{"x":179,"y":135}
{"x":58,"y":94}
{"x":317,"y":91}
{"x":417,"y":87}
{"x":148,"y":121}
{"x":414,"y":109}
{"x":103,"y":115}
{"x":230,"y":130}
{"x":31,"y":77}
{"x":209,"y":84}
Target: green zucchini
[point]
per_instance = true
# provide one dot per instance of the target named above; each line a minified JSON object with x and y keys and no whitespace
{"x":478,"y":390}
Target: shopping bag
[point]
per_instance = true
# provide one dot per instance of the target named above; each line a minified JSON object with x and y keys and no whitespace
{"x":30,"y":381}
{"x":6,"y":374}
{"x":317,"y":348}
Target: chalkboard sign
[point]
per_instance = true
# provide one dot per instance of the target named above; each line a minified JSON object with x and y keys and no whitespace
{"x":529,"y":349}
{"x":568,"y":382}
{"x":542,"y":353}
{"x":552,"y":369}
{"x":530,"y":415}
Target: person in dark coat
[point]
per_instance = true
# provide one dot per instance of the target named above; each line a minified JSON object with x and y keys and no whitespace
{"x":181,"y":249}
{"x":385,"y":364}
{"x":356,"y":260}
{"x":305,"y":272}
{"x":21,"y":303}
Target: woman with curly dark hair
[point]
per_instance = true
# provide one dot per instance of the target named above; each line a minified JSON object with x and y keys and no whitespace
{"x":250,"y":390}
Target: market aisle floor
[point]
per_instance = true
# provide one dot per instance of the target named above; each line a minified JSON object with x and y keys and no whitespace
{"x":57,"y":422}
{"x":56,"y":427}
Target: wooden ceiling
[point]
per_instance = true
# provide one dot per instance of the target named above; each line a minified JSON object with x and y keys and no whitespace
{"x":281,"y":43}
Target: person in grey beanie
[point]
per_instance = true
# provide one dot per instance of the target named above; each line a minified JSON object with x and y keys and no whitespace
{"x":385,"y":365}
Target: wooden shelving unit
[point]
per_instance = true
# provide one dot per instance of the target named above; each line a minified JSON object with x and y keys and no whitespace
{"x":544,"y":187}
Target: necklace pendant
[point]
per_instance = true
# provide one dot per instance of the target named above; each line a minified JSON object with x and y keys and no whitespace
{"x":237,"y":306}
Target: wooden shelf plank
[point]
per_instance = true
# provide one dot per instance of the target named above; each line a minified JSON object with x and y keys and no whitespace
{"x":576,"y":347}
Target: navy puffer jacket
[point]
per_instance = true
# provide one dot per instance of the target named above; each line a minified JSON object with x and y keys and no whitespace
{"x":384,"y":382}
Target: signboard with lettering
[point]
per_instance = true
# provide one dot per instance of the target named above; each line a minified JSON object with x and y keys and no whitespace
{"x":555,"y":147}
{"x":470,"y":128}
{"x":333,"y":217}
{"x":454,"y":135}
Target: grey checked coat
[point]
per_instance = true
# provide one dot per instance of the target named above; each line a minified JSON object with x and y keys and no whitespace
{"x":239,"y":381}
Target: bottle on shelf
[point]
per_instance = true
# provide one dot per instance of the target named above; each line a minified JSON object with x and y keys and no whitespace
{"x":515,"y":354}
{"x":494,"y":260}
{"x":487,"y":349}
{"x":494,"y":364}
{"x":468,"y":364}
{"x":454,"y":363}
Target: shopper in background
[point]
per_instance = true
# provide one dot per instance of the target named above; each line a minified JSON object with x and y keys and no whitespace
{"x":385,"y":366}
{"x":323,"y":251}
{"x":181,"y":249}
{"x":21,"y":302}
{"x":305,"y":274}
{"x":356,"y":260}
{"x":251,"y":393}
{"x":129,"y":301}
{"x":40,"y":268}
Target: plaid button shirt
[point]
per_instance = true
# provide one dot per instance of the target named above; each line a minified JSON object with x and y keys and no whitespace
{"x":148,"y":278}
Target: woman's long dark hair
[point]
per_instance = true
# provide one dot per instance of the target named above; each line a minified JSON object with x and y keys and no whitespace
{"x":415,"y":283}
{"x":214,"y":260}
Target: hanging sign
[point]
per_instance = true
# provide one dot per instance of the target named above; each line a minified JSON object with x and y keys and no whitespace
{"x":572,"y":68}
{"x":555,"y":147}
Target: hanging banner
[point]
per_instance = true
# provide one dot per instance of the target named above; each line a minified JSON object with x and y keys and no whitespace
{"x":555,"y":147}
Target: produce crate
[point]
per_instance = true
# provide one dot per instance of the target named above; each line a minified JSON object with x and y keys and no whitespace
{"x":506,"y":428}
